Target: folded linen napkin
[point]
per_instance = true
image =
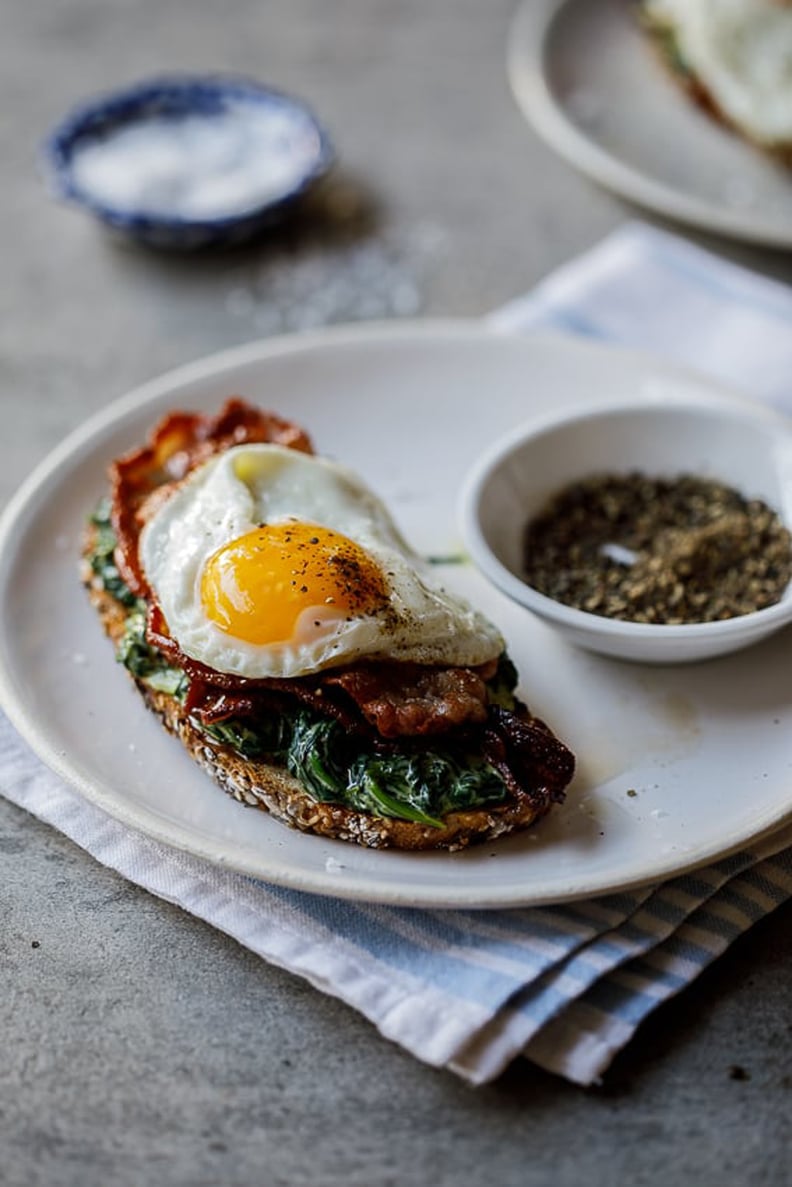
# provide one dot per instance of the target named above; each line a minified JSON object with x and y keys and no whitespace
{"x":565,"y":985}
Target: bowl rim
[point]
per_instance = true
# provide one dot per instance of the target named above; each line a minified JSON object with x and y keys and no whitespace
{"x":734,"y":405}
{"x":126,"y":105}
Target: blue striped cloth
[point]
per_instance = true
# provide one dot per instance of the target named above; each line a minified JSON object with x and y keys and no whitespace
{"x":566,"y":985}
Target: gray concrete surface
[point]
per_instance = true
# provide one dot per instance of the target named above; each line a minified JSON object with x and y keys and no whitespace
{"x":139,"y":1046}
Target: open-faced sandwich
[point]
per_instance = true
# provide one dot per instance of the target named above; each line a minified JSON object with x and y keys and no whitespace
{"x":272,"y":616}
{"x":734,"y":57}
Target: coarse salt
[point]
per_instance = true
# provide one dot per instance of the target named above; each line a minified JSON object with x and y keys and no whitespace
{"x":211,"y":166}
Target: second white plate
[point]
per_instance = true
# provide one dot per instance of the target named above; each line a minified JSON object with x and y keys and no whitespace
{"x":676,"y":766}
{"x":587,"y":79}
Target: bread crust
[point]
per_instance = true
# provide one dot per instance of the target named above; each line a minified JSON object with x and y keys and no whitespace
{"x":272,"y":789}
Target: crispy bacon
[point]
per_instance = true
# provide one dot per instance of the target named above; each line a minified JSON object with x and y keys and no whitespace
{"x":215,"y":704}
{"x":179,"y":443}
{"x":406,"y":699}
{"x":527,"y":754}
{"x":211,"y":704}
{"x":396,"y":699}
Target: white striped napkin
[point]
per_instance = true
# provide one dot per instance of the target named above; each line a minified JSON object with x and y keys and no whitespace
{"x":565,"y":985}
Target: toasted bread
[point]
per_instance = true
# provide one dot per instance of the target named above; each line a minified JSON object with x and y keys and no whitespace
{"x":263,"y":785}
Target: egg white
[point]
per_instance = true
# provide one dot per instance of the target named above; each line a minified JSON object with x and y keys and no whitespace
{"x":248,"y":485}
{"x":741,"y":50}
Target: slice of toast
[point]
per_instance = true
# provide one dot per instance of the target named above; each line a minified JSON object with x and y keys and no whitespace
{"x":272,"y":788}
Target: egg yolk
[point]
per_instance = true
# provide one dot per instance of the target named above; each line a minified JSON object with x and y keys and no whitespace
{"x":281,"y":581}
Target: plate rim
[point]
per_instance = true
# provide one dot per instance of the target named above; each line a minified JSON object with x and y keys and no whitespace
{"x":365,"y":887}
{"x":525,"y":57}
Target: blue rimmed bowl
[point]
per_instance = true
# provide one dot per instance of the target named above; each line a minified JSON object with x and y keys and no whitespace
{"x":188,"y":162}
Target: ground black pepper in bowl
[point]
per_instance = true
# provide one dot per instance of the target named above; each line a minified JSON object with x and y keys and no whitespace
{"x":658,"y":550}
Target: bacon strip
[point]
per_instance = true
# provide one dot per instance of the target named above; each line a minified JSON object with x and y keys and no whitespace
{"x":397,"y":699}
{"x":527,"y":754}
{"x":405,"y":699}
{"x":380,"y":699}
{"x":179,"y":443}
{"x":211,"y":704}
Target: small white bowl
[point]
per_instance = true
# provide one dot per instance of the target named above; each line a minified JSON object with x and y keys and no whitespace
{"x":745,"y":445}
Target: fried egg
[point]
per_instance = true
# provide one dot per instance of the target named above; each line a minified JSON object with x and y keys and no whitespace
{"x":741,"y":51}
{"x":267,"y":562}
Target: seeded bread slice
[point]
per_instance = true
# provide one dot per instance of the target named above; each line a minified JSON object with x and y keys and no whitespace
{"x":269,"y":787}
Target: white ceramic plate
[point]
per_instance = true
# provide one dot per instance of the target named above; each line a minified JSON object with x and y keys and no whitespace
{"x":589,"y":82}
{"x":675,"y":766}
